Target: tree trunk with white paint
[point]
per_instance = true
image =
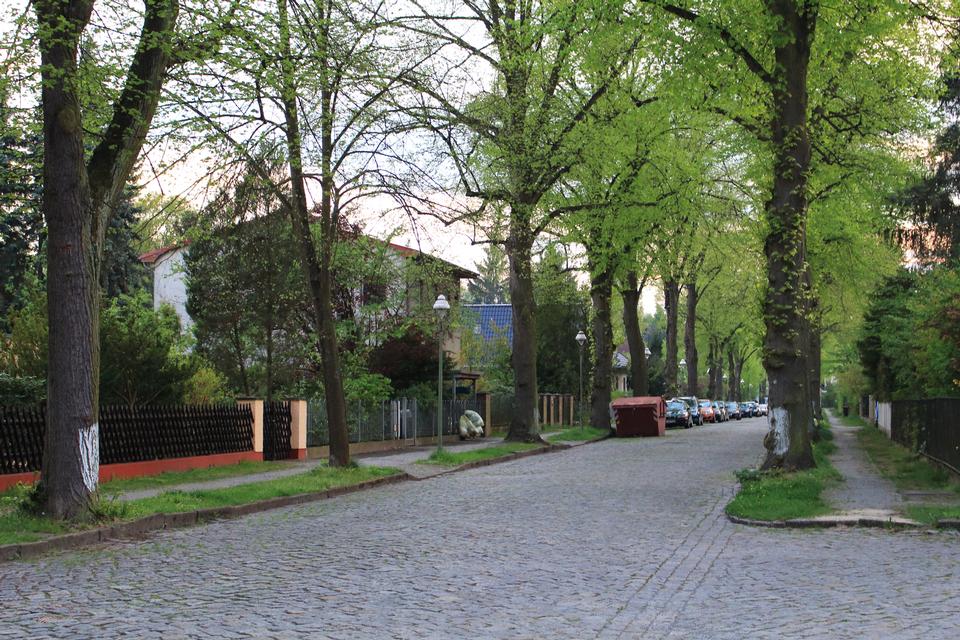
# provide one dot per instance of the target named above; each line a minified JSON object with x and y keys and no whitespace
{"x":78,"y":199}
{"x":787,"y":441}
{"x":631,"y":324}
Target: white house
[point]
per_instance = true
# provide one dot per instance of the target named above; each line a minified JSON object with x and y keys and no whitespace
{"x":170,"y":284}
{"x":169,"y":279}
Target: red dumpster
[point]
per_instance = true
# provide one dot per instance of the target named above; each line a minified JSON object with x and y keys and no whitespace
{"x":639,"y":416}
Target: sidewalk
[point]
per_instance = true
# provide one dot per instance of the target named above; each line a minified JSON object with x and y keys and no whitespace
{"x":864,"y":491}
{"x":407,"y":459}
{"x":403,"y":459}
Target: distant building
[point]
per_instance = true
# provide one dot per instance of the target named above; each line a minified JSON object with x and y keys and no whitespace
{"x":621,"y":366}
{"x":169,"y":279}
{"x":168,"y":265}
{"x":489,"y":321}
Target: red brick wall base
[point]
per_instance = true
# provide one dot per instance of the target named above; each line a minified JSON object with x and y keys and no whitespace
{"x":146,"y":468}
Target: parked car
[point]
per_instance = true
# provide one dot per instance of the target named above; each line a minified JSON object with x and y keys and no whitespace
{"x":721,"y":411}
{"x":754,"y":408}
{"x":693,"y":406}
{"x":707,"y":411}
{"x":746,"y":410}
{"x":733,"y":410}
{"x":762,"y":408}
{"x":678,"y":414}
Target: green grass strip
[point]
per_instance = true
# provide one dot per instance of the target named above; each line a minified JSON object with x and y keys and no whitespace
{"x":319,"y":479}
{"x":929,"y":514}
{"x":577,"y":434}
{"x":783,"y":496}
{"x":170,"y":478}
{"x":907,"y":470}
{"x":448,"y":458}
{"x":17,"y":526}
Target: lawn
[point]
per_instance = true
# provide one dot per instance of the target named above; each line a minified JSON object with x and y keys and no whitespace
{"x":907,"y":470}
{"x":577,"y":434}
{"x":170,"y":478}
{"x":931,"y":513}
{"x":783,"y":496}
{"x":18,"y":526}
{"x":448,"y":458}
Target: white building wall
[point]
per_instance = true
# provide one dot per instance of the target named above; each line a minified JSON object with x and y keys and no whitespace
{"x":884,"y":413}
{"x":170,"y":285}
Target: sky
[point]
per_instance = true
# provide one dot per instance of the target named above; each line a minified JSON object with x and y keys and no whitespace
{"x":455,"y":243}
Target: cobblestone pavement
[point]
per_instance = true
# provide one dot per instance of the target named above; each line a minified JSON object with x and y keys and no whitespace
{"x":619,"y":539}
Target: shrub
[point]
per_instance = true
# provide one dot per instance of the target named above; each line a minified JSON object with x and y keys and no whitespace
{"x":25,"y":390}
{"x":206,"y":386}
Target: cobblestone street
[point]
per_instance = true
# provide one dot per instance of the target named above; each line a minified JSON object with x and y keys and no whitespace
{"x":619,"y":539}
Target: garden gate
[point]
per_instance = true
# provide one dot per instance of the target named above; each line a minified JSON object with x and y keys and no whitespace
{"x":276,"y":430}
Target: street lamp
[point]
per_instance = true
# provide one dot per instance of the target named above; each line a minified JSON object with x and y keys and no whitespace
{"x":581,"y":340}
{"x":683,"y":366}
{"x":647,"y":352}
{"x":441,"y":307}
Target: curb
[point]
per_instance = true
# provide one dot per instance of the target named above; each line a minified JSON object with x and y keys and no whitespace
{"x":830,"y":523}
{"x":550,"y":448}
{"x":160,"y":521}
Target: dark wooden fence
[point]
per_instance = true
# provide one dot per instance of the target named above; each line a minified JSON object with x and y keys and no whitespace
{"x":930,"y":427}
{"x":134,"y":434}
{"x":21,"y":439}
{"x":276,"y":430}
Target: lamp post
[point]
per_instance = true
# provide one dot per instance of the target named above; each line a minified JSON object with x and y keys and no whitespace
{"x":441,"y":307}
{"x":581,"y":340}
{"x":683,"y":368}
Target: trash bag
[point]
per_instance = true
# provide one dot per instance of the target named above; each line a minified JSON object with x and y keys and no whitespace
{"x":476,"y":423}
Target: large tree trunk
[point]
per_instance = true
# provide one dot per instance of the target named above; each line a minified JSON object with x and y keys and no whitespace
{"x":524,"y":426}
{"x":601,"y":290}
{"x":78,"y":199}
{"x":787,"y":441}
{"x":716,"y":369}
{"x":813,"y":360}
{"x":816,"y":364}
{"x":71,"y":447}
{"x":690,"y":341}
{"x":671,"y":300}
{"x":712,"y":377}
{"x":631,"y":324}
{"x":318,"y":272}
{"x":734,"y":384}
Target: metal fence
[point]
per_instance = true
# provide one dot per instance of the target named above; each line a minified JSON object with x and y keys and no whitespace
{"x":930,"y":427}
{"x":133,"y":434}
{"x":398,"y":419}
{"x":552,"y":409}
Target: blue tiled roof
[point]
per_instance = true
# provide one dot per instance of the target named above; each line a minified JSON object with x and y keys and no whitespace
{"x":489,"y":320}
